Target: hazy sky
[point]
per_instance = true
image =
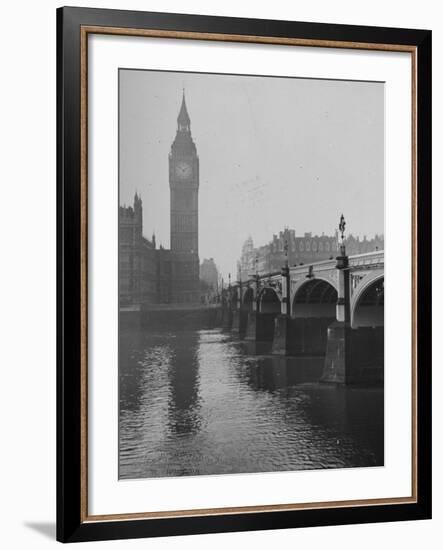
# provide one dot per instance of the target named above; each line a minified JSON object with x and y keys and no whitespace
{"x":274,"y":152}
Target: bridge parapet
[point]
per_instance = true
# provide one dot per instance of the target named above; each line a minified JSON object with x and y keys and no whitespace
{"x":375,"y":260}
{"x":298,"y":270}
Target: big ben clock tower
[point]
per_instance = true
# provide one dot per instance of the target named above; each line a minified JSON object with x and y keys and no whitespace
{"x":184,"y":183}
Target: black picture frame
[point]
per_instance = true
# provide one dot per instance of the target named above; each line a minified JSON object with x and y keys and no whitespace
{"x":71,"y":523}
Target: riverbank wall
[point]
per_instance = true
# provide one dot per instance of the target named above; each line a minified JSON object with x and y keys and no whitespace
{"x":177,"y":317}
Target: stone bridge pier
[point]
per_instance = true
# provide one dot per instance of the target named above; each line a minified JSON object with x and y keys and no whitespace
{"x":355,"y":344}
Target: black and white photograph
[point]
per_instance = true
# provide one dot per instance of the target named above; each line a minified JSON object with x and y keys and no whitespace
{"x":251,"y":274}
{"x":198,"y":202}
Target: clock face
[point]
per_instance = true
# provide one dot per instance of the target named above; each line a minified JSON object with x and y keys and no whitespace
{"x":183,"y":170}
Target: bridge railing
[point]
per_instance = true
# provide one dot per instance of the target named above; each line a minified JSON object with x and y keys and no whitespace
{"x":370,"y":258}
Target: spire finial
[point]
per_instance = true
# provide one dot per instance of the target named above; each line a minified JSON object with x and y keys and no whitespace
{"x":183,"y":119}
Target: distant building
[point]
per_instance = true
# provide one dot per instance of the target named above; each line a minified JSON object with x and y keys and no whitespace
{"x":209,"y":274}
{"x":301,"y":250}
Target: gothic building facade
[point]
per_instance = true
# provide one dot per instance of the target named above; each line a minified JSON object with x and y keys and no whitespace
{"x":137,"y":258}
{"x":151,"y":275}
{"x":303,"y":249}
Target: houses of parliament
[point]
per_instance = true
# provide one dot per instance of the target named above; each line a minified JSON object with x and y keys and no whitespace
{"x":151,"y":275}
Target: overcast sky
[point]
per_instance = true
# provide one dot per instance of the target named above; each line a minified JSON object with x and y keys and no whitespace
{"x":274,"y":152}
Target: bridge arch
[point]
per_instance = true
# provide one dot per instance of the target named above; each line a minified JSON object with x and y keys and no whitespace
{"x":269,"y":301}
{"x":315,"y":298}
{"x":367,"y":304}
{"x":235,"y":291}
{"x":248,"y":299}
{"x":313,"y":311}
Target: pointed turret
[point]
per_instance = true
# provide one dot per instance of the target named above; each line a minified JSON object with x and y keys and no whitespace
{"x":183,"y":120}
{"x":138,"y":207}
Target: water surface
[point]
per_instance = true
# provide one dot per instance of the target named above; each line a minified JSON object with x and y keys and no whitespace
{"x":203,"y":402}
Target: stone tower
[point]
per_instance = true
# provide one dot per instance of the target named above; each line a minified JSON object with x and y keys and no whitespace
{"x":184,"y":184}
{"x":130,"y":257}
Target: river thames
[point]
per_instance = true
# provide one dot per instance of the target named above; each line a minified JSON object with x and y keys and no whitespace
{"x":202,"y":402}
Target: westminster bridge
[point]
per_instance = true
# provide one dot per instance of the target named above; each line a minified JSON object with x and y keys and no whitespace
{"x":332,"y":308}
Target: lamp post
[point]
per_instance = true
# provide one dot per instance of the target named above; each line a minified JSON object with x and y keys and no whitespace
{"x":257,"y":285}
{"x":341,"y":228}
{"x":286,"y":279}
{"x":240,"y":293}
{"x":343,"y":299}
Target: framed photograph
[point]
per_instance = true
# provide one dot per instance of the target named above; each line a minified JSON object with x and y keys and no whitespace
{"x":234,"y":198}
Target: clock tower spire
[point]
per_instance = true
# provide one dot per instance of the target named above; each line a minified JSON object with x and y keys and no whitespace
{"x":184,"y":185}
{"x":183,"y":120}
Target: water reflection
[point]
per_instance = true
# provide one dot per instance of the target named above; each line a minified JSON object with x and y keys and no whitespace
{"x":200,"y":402}
{"x":183,"y":374}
